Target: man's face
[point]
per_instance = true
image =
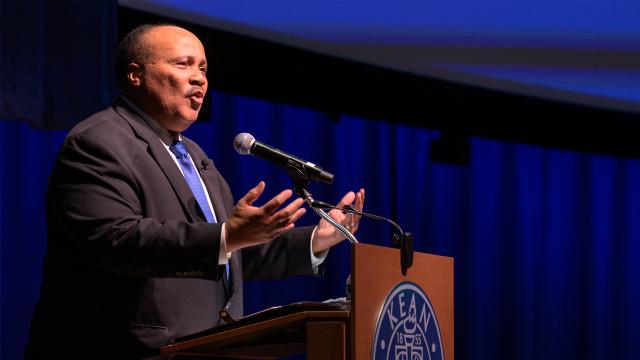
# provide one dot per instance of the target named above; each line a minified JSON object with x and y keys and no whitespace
{"x":173,"y":78}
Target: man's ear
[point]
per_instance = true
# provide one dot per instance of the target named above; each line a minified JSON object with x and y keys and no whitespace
{"x":134,"y":74}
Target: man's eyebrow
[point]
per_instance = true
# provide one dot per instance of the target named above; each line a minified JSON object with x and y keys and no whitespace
{"x":189,"y":58}
{"x":185,"y":57}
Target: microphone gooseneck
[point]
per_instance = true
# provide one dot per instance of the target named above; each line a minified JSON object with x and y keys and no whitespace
{"x":350,"y":209}
{"x":401,"y":240}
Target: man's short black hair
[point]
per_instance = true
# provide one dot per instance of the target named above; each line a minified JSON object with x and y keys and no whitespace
{"x":134,"y":49}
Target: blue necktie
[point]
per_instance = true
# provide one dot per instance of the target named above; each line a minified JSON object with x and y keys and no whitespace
{"x":191,"y":175}
{"x":193,"y":180}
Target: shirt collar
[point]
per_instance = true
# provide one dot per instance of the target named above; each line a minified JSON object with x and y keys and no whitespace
{"x":165,"y":136}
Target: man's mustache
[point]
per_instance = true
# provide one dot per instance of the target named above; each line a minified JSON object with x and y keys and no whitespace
{"x":195,"y":91}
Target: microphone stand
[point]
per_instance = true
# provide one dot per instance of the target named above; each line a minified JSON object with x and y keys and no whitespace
{"x":401,"y":240}
{"x":298,"y":174}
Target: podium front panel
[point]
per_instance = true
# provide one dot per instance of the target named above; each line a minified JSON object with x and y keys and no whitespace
{"x":401,"y":316}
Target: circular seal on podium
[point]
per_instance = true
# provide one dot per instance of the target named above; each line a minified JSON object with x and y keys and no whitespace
{"x":407,"y":326}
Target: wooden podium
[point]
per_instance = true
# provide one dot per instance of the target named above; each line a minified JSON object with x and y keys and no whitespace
{"x":328,"y":332}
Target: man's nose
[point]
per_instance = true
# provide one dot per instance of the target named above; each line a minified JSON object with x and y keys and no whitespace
{"x":198,"y":78}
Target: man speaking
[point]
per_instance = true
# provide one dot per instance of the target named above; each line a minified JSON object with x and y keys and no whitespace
{"x":145,"y":243}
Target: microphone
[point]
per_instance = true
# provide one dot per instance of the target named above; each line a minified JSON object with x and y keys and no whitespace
{"x":204,"y":166}
{"x":246,"y":144}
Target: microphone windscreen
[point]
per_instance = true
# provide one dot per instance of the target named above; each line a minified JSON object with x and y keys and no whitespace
{"x":243,"y":142}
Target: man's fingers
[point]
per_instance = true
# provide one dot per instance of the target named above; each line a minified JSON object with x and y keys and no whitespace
{"x":289,"y":209}
{"x":352,"y":220}
{"x":289,"y":214}
{"x":297,"y":215}
{"x":347,"y":199}
{"x":253,"y":194}
{"x":359,"y":206}
{"x":360,"y":200}
{"x":272,"y":205}
{"x":283,"y":230}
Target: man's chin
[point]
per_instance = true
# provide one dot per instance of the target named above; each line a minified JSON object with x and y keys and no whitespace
{"x":190,"y":115}
{"x":190,"y":118}
{"x":182,"y":123}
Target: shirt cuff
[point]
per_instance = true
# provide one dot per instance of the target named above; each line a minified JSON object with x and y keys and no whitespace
{"x":316,"y":259}
{"x":223,"y":254}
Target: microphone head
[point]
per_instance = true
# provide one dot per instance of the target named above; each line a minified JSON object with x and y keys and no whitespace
{"x":243,"y":143}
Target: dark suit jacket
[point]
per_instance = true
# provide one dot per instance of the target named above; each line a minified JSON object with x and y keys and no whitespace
{"x":131,"y":262}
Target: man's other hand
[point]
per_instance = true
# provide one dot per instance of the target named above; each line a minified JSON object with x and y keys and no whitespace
{"x":326,"y":235}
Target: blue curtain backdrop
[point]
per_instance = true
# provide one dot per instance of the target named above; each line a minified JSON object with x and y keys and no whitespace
{"x":547,"y":257}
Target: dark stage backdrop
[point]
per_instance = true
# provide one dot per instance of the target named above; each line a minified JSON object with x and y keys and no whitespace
{"x":547,"y":257}
{"x":56,"y":60}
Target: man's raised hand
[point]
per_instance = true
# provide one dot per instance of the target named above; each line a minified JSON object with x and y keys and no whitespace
{"x":250,"y":225}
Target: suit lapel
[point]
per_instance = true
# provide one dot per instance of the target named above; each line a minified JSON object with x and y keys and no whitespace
{"x":164,"y":160}
{"x":176,"y":179}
